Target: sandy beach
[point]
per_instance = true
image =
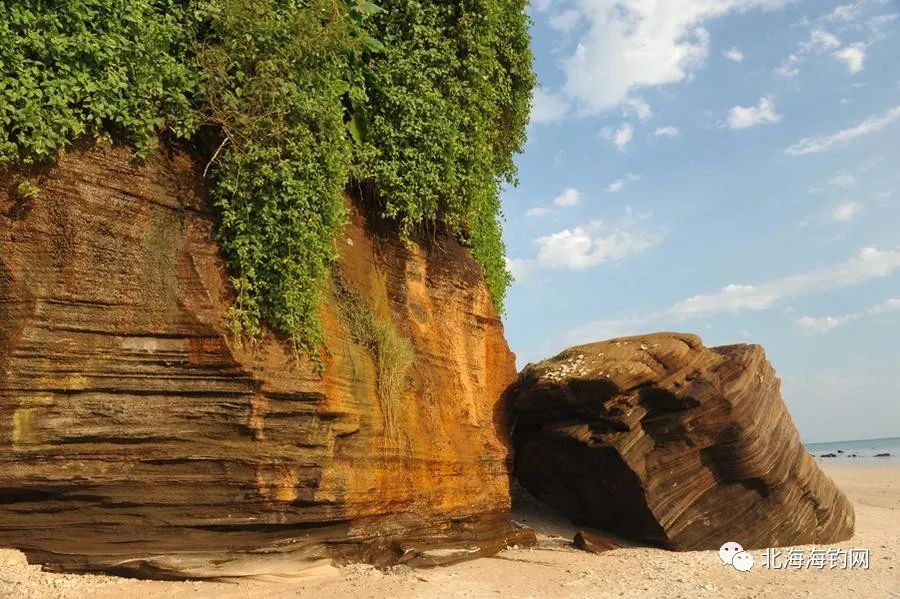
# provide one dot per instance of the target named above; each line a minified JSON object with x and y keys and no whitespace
{"x":552,"y":569}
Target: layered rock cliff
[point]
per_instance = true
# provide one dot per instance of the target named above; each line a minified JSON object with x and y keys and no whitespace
{"x":138,"y":434}
{"x":663,"y":440}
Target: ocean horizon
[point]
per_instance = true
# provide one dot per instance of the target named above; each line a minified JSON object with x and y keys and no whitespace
{"x":857,"y":451}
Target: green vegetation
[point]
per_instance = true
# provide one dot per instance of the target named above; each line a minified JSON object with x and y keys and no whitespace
{"x":274,"y":82}
{"x":390,"y":350}
{"x":427,"y":100}
{"x":26,"y":190}
{"x":92,"y":66}
{"x":448,"y":106}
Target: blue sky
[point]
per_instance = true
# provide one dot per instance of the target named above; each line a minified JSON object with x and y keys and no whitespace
{"x":724,"y":167}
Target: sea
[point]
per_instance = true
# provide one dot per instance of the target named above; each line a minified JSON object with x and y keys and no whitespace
{"x":860,"y":451}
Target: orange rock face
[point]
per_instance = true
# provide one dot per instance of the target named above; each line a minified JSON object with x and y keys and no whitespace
{"x":136,"y":433}
{"x":666,"y":441}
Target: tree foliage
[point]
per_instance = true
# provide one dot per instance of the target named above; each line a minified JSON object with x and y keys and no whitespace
{"x":428,"y":101}
{"x":92,"y":66}
{"x":273,"y":79}
{"x":448,"y":106}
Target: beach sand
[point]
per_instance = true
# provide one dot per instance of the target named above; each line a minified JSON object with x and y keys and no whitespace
{"x":552,"y":569}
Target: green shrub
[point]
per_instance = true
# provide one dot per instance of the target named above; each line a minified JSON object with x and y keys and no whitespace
{"x":427,"y":100}
{"x":448,"y":107}
{"x":72,"y":67}
{"x":274,"y":78}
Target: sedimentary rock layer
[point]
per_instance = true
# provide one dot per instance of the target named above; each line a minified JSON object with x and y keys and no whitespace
{"x":666,"y":441}
{"x":137,"y":433}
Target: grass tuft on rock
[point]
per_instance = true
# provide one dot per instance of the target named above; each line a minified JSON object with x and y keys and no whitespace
{"x":390,"y":350}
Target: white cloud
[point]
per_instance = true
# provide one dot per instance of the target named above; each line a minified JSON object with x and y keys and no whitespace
{"x":889,"y":305}
{"x":845,"y":211}
{"x":848,"y":19}
{"x":843,"y":180}
{"x":547,"y":107}
{"x":617,"y":185}
{"x":743,"y":117}
{"x":823,"y":324}
{"x":821,"y":41}
{"x":584,"y":247}
{"x":569,"y":197}
{"x":621,"y":137}
{"x":853,"y":56}
{"x":731,"y":298}
{"x":628,"y":45}
{"x":536,"y":211}
{"x":845,"y":12}
{"x":789,"y":68}
{"x":637,"y":107}
{"x":565,"y":21}
{"x":588,"y":245}
{"x":876,"y":23}
{"x":869,"y":263}
{"x":667,"y":132}
{"x":818,"y":145}
{"x":734,"y":55}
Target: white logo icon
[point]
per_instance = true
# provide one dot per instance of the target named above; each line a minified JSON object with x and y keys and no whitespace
{"x":742,"y":561}
{"x":728,"y":551}
{"x":732,"y":554}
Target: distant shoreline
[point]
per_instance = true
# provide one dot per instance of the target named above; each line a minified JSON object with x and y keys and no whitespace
{"x":883,"y":450}
{"x":808,"y":443}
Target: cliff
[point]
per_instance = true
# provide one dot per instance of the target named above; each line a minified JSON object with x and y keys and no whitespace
{"x":138,"y":435}
{"x":666,"y":441}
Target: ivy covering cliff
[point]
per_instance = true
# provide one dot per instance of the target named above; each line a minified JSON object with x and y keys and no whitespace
{"x":426,"y":101}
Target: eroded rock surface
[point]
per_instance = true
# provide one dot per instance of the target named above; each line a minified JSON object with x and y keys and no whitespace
{"x":137,"y":434}
{"x":663,"y":440}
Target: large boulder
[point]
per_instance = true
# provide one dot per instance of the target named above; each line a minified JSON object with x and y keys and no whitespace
{"x":137,"y":433}
{"x":665,"y":441}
